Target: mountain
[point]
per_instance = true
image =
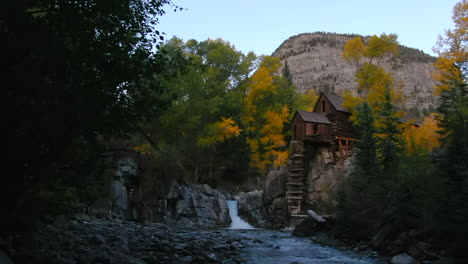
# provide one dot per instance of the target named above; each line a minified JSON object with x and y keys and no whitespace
{"x":313,"y":61}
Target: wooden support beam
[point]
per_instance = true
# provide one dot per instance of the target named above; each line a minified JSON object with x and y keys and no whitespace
{"x":316,"y":217}
{"x":345,"y":138}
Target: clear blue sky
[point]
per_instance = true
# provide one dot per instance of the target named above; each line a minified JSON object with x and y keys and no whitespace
{"x":262,"y":25}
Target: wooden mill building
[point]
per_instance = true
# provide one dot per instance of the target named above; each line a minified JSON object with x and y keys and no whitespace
{"x":327,"y":125}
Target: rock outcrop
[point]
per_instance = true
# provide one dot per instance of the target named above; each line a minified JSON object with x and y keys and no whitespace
{"x":314,"y":61}
{"x":275,"y":199}
{"x":252,"y":208}
{"x":195,"y":206}
{"x":116,"y":201}
{"x":182,"y":205}
{"x":327,"y":168}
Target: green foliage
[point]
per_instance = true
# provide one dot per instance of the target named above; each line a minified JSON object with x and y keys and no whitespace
{"x":77,"y":74}
{"x":453,"y":165}
{"x":207,"y":103}
{"x":405,"y":187}
{"x":417,"y":194}
{"x":366,"y":156}
{"x":266,"y":110}
{"x":390,"y":143}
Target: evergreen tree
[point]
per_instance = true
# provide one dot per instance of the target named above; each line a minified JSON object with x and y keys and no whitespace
{"x":390,"y":143}
{"x":453,"y":165}
{"x":453,"y":120}
{"x":366,"y":155}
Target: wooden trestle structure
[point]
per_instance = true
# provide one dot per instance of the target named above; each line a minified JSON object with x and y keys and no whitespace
{"x":296,"y":179}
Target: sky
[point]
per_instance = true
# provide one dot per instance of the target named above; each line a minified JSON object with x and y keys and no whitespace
{"x":262,"y":25}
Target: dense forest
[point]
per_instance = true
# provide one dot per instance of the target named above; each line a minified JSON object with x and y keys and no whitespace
{"x":83,"y":79}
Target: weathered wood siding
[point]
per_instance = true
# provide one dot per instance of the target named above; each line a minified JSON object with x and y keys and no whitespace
{"x":340,"y":125}
{"x":298,"y":126}
{"x":307,"y":131}
{"x":324,"y":106}
{"x":320,"y":132}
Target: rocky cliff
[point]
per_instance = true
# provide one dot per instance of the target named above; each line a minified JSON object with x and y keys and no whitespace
{"x":314,"y":61}
{"x":326,"y":170}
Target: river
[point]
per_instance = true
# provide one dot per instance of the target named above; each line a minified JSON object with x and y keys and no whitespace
{"x":275,"y":247}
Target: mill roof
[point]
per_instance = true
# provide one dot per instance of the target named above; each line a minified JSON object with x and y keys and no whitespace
{"x":313,"y":117}
{"x":336,"y":101}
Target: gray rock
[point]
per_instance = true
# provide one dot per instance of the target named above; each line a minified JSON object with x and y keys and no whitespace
{"x":195,"y":206}
{"x":315,"y":61}
{"x":252,"y":209}
{"x":402,"y":259}
{"x":275,"y":184}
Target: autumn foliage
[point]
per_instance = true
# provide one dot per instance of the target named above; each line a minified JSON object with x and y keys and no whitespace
{"x":266,"y":111}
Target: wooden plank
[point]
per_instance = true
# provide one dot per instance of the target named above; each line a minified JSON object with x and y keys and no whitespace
{"x":315,"y":216}
{"x":296,"y":169}
{"x":294,"y":192}
{"x":294,"y":197}
{"x":346,"y":138}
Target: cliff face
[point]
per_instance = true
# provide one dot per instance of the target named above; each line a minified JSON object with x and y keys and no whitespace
{"x":314,"y":62}
{"x":326,"y":170}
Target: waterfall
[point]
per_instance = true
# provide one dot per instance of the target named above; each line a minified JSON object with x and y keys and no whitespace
{"x":237,"y":222}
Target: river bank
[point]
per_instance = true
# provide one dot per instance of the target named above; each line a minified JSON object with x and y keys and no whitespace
{"x":114,"y":241}
{"x":92,"y":240}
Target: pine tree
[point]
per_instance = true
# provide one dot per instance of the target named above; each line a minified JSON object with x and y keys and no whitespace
{"x":366,"y":157}
{"x":453,"y":166}
{"x":390,"y":143}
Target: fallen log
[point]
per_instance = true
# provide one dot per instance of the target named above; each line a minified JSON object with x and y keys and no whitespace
{"x":316,"y":217}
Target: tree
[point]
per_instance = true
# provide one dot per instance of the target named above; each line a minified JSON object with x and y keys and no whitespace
{"x":366,"y":156}
{"x":375,"y":51}
{"x":267,"y":108}
{"x":368,"y":194}
{"x":354,"y":50}
{"x":305,"y":101}
{"x":78,"y":74}
{"x":377,"y":88}
{"x":452,"y":117}
{"x":453,"y":45}
{"x":425,"y":136}
{"x":390,"y":144}
{"x":208,"y":96}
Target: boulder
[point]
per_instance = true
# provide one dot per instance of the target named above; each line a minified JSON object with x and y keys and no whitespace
{"x":195,"y":206}
{"x":307,"y":227}
{"x":252,"y":208}
{"x":275,"y":184}
{"x":279,"y":212}
{"x":402,"y":259}
{"x":311,"y":225}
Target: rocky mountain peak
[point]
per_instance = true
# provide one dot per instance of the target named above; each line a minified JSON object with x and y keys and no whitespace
{"x":314,"y":61}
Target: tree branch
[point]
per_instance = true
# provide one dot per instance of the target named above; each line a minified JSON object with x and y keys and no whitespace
{"x":147,"y":137}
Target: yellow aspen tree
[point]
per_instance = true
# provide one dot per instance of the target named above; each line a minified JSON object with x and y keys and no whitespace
{"x":265,"y":113}
{"x":425,"y":136}
{"x":354,"y":50}
{"x":306,"y":101}
{"x":220,"y":131}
